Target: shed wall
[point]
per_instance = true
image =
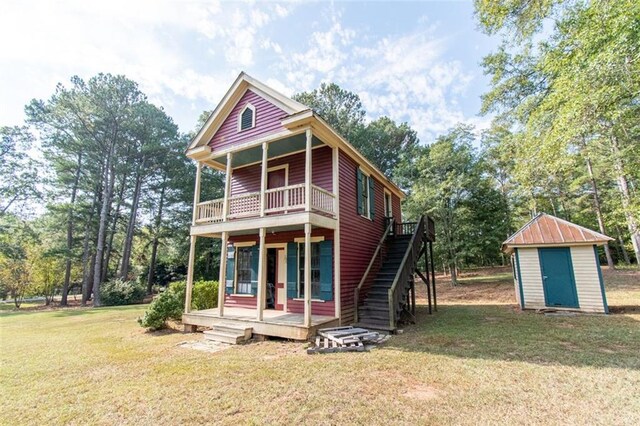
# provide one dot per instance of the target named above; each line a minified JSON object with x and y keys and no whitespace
{"x":531,"y":278}
{"x":585,"y":271}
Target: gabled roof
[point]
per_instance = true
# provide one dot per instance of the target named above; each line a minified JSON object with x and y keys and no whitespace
{"x":299,"y":115}
{"x":545,"y":229}
{"x":235,"y":92}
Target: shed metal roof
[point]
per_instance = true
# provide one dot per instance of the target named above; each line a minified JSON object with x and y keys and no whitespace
{"x":545,"y":229}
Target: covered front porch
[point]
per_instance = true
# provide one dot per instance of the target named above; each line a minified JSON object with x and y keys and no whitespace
{"x":274,"y":323}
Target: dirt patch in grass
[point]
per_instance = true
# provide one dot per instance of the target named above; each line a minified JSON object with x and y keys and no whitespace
{"x":423,"y":393}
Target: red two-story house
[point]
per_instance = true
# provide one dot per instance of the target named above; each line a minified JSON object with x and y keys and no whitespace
{"x":306,"y":223}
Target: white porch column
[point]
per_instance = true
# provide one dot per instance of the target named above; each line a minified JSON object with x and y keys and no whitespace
{"x":189,"y":289}
{"x":262,"y":275}
{"x":308,"y":174}
{"x":307,"y":275}
{"x":336,"y":233}
{"x":227,"y":187}
{"x":196,"y":193}
{"x":263,"y":179}
{"x":223,"y":269}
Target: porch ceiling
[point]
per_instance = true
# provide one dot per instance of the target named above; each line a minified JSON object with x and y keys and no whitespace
{"x":276,"y":149}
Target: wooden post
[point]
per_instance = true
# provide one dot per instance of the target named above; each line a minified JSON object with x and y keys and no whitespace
{"x":262,"y":275}
{"x":263,"y":179}
{"x":196,"y":193}
{"x":336,"y":234}
{"x":308,"y":174}
{"x":433,"y":277}
{"x":426,"y":268}
{"x":223,"y":277}
{"x":189,"y":289}
{"x":227,"y":188}
{"x":307,"y":275}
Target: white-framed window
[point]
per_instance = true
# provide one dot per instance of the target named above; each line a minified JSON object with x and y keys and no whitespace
{"x":315,"y":270}
{"x":388,"y":204}
{"x":247,"y":118}
{"x":365,"y":194}
{"x":243,"y":270}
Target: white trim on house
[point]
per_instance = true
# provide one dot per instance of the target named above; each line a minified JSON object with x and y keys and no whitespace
{"x":253,"y":117}
{"x":245,"y":244}
{"x":312,"y":239}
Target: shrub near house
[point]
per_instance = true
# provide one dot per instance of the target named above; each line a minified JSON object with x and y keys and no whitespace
{"x":170,"y":304}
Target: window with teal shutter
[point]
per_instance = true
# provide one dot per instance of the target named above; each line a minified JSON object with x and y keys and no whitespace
{"x":326,"y":270}
{"x":292,"y":266}
{"x":230,"y":269}
{"x":255,"y":258}
{"x":371,"y":198}
{"x":359,"y":179}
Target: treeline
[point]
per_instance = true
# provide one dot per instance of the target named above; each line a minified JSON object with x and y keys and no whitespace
{"x":111,"y":188}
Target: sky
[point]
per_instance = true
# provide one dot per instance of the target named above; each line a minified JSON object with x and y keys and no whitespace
{"x":414,"y":61}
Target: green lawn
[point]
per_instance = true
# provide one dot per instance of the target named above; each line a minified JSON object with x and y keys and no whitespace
{"x":478,"y":360}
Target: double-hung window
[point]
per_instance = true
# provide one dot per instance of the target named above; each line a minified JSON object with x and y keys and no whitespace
{"x":243,"y":262}
{"x":365,"y":193}
{"x":315,"y":270}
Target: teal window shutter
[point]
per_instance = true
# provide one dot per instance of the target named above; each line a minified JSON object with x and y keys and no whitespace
{"x":230,"y":269}
{"x":372,"y":203}
{"x":326,"y":270}
{"x":359,"y":178}
{"x":255,"y":258}
{"x":292,"y":270}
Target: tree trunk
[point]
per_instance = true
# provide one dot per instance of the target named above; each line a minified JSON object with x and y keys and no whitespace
{"x":154,"y":245}
{"x":112,"y":232}
{"x":598,"y":208}
{"x":623,"y":185}
{"x":128,"y":241}
{"x":67,"y":266}
{"x":623,"y":250}
{"x":109,"y":181}
{"x":86,"y":272}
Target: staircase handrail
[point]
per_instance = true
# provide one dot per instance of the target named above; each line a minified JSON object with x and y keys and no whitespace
{"x":404,"y":269}
{"x":373,"y":258}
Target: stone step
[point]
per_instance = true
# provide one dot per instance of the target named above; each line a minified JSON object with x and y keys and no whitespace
{"x":219,"y":336}
{"x":233,"y":329}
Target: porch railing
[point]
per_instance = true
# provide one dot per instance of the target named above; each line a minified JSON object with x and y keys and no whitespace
{"x":277,"y":201}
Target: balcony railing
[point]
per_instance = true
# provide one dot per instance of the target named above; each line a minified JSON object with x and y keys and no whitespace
{"x":278,"y":201}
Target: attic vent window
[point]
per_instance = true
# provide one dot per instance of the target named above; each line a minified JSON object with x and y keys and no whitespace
{"x":247,"y":118}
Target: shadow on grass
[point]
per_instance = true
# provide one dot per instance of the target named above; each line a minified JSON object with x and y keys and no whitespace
{"x":504,"y":333}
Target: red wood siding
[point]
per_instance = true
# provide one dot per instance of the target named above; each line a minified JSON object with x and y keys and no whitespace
{"x":247,"y":179}
{"x":268,"y":117}
{"x":359,"y":236}
{"x":397,"y":207}
{"x":294,"y":306}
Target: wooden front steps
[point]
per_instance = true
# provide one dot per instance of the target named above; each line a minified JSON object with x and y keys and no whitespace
{"x":232,"y":334}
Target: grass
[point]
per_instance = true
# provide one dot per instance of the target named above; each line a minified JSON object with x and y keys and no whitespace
{"x":477,"y":360}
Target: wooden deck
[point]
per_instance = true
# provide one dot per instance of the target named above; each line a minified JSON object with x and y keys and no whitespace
{"x":275,"y":323}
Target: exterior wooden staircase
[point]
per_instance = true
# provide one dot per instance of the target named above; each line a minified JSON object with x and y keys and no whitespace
{"x":232,"y":334}
{"x":390,"y":298}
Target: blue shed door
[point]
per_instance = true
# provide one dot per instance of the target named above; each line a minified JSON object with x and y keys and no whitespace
{"x":557,"y":277}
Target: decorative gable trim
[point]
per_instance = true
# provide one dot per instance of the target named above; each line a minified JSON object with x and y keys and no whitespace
{"x":242,"y":83}
{"x":253,"y":117}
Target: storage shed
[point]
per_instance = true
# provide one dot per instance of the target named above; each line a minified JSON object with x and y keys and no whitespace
{"x":556,"y":265}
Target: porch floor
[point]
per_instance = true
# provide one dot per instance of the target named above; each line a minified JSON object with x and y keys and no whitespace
{"x":275,"y":323}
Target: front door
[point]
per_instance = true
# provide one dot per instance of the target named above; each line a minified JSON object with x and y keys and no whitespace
{"x":276,"y":278}
{"x":557,"y":277}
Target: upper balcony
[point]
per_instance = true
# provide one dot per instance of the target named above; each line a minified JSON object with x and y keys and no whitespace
{"x":293,"y":182}
{"x":282,"y":200}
